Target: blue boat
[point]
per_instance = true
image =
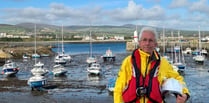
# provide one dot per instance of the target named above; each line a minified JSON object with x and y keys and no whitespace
{"x":36,"y":82}
{"x":10,"y":68}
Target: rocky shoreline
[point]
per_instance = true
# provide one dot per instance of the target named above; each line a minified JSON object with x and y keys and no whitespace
{"x":17,"y":52}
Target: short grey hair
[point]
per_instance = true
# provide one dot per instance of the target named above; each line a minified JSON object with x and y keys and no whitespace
{"x":150,"y":29}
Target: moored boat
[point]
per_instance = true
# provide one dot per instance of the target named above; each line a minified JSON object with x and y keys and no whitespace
{"x":59,"y":70}
{"x":39,"y":69}
{"x":36,"y":82}
{"x":94,"y":68}
{"x":91,"y":59}
{"x":108,"y":56}
{"x":10,"y":68}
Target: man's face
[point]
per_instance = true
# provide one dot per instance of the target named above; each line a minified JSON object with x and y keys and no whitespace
{"x":147,"y":42}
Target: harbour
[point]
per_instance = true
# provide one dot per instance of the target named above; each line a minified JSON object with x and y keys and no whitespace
{"x":78,"y":86}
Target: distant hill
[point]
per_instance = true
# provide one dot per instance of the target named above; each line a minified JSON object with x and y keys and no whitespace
{"x":126,"y":29}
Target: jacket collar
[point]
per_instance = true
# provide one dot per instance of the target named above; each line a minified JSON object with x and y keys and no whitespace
{"x":153,"y":57}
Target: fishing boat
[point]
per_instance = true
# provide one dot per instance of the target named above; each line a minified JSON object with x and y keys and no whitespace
{"x":59,"y":70}
{"x":36,"y":82}
{"x":94,"y":68}
{"x":108,"y":56}
{"x":10,"y":68}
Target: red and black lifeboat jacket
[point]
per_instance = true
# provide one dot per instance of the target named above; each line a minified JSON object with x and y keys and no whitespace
{"x":149,"y":82}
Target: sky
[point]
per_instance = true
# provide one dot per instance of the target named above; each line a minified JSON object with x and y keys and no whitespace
{"x":176,"y":14}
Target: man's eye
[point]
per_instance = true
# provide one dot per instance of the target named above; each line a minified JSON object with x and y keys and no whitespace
{"x":144,"y":39}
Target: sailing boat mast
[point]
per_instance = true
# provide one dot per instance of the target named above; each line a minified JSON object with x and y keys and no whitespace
{"x":62,"y":41}
{"x":35,"y":41}
{"x":200,"y":46}
{"x":90,"y":41}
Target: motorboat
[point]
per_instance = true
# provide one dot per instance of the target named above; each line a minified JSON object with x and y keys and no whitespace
{"x":204,"y":52}
{"x":91,"y":59}
{"x":39,"y":69}
{"x":59,"y":70}
{"x":36,"y":81}
{"x":108,"y":56}
{"x":60,"y":60}
{"x":67,"y":57}
{"x":94,"y":68}
{"x":187,"y":51}
{"x":199,"y":59}
{"x":10,"y":68}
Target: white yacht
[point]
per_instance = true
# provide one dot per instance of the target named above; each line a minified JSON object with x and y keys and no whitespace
{"x":94,"y":68}
{"x":39,"y":69}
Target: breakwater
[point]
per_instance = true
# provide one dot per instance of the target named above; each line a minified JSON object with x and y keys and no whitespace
{"x":131,"y":46}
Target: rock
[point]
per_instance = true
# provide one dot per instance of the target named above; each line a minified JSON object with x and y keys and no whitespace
{"x":18,"y":51}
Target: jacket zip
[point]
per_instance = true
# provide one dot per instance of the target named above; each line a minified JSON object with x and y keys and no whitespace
{"x":144,"y":77}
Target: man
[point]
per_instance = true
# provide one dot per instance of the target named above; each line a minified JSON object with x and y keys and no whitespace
{"x":142,"y":74}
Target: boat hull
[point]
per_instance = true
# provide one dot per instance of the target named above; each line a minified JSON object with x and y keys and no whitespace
{"x":10,"y":71}
{"x":60,"y":73}
{"x":108,"y":58}
{"x":37,"y":84}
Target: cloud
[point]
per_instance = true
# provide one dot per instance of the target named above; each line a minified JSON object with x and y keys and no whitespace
{"x":57,"y":13}
{"x":133,"y":12}
{"x":200,"y":6}
{"x":154,"y":1}
{"x":178,"y":4}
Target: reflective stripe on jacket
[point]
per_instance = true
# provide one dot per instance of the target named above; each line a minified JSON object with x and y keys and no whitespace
{"x":125,"y":75}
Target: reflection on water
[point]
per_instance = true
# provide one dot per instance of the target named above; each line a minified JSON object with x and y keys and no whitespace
{"x":93,"y":78}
